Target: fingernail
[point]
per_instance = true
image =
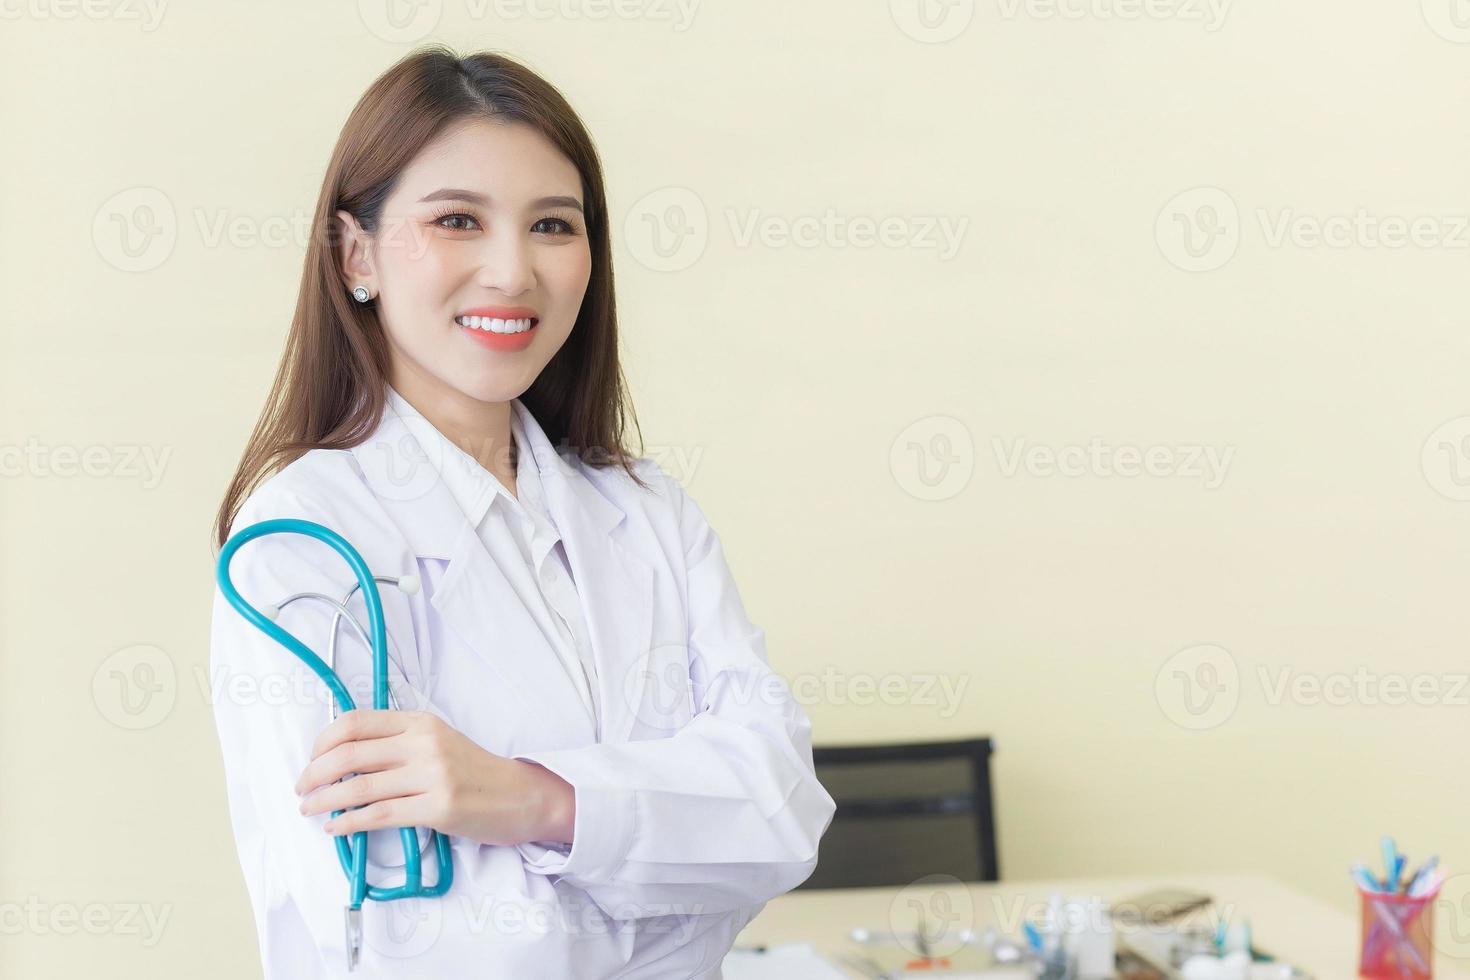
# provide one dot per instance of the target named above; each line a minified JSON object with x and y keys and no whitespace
{"x":327,"y":826}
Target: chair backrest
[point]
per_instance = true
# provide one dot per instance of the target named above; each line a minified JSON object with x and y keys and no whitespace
{"x":906,"y":811}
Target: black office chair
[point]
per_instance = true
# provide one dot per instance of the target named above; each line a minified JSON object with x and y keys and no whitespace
{"x":906,"y":811}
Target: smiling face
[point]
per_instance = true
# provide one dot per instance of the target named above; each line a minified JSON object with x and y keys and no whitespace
{"x":485,"y":225}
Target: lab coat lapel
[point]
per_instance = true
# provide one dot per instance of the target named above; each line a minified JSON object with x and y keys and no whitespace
{"x":401,"y":462}
{"x":614,"y":584}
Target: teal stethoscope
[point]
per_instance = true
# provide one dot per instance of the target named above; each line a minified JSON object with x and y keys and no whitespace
{"x":352,"y":854}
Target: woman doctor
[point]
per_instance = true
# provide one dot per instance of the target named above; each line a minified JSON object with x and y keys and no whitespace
{"x":585,"y":708}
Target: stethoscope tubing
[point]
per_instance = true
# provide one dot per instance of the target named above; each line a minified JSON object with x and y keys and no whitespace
{"x":351,"y":854}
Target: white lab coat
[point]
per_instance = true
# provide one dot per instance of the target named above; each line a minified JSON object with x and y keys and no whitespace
{"x":697,"y":806}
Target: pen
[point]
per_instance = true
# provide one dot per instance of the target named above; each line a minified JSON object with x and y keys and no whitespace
{"x":1364,"y":879}
{"x":1390,"y":864}
{"x":1429,"y":884}
{"x":1425,"y":870}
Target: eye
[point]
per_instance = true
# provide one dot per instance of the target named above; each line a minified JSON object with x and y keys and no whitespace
{"x":562,"y":226}
{"x":441,"y":219}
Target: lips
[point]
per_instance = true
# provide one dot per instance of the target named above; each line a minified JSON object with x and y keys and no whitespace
{"x":501,"y":312}
{"x":498,"y":335}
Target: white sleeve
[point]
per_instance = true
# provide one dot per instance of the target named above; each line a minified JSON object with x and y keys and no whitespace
{"x":269,"y":708}
{"x":724,"y":813}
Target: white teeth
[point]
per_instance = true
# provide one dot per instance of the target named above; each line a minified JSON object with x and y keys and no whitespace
{"x":494,"y":325}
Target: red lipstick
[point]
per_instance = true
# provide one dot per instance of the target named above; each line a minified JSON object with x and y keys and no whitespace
{"x":482,"y":331}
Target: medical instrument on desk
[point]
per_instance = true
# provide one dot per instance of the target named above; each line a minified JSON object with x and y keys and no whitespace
{"x":352,"y":855}
{"x":1074,"y":939}
{"x":893,"y":954}
{"x":1003,"y":951}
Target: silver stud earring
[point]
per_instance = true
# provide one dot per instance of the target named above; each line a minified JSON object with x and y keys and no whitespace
{"x":360,"y":294}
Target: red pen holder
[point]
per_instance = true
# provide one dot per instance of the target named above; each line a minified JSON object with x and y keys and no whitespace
{"x":1398,"y":936}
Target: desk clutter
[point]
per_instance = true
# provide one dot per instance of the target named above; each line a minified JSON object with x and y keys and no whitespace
{"x":1161,"y":935}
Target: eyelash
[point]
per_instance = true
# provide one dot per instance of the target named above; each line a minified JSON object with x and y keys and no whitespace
{"x":571,"y":227}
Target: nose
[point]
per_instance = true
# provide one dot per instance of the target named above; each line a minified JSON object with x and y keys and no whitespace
{"x":507,"y":265}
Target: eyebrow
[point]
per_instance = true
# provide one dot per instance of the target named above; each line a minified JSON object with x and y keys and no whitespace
{"x":474,"y":197}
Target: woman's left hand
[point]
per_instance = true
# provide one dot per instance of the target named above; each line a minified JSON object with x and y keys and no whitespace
{"x":416,"y":770}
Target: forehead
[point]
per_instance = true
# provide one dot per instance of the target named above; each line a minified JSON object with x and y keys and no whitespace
{"x":510,"y":162}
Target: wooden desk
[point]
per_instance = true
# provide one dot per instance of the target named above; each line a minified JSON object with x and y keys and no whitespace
{"x":1296,"y":928}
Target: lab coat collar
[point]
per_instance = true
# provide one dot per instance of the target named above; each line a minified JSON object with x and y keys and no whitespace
{"x":400,"y":463}
{"x":405,"y":459}
{"x":476,"y":489}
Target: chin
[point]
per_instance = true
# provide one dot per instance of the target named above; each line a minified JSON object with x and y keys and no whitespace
{"x":493,"y":389}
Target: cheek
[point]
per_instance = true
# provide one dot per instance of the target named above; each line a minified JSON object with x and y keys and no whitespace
{"x":419,"y":279}
{"x":425,"y":266}
{"x":568,"y":274}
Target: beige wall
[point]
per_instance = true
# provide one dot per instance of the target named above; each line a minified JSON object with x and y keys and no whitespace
{"x":849,"y":417}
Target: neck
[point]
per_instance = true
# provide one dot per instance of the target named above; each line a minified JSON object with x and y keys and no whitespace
{"x":481,"y":429}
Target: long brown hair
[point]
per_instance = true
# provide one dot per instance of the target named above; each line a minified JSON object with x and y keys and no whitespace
{"x":328,"y":391}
